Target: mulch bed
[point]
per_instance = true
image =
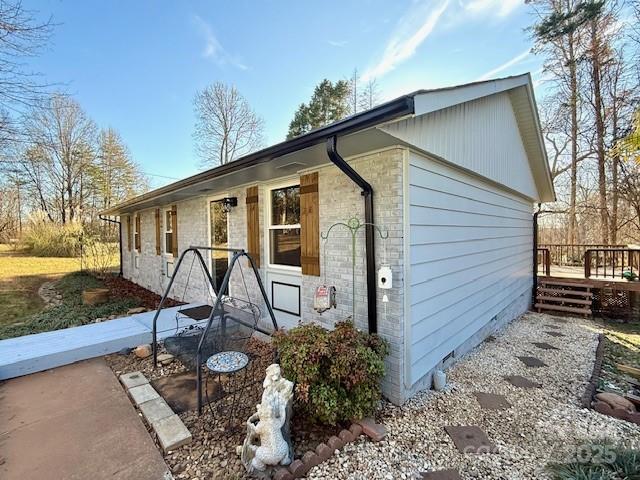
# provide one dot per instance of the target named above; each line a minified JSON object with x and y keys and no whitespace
{"x":212,"y":453}
{"x":121,"y":288}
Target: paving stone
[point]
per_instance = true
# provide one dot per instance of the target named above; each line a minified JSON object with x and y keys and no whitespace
{"x":298,"y":468}
{"x":335,"y":443}
{"x":532,"y":362}
{"x":133,"y":379}
{"x":172,"y":433}
{"x":155,"y":410}
{"x":545,"y":346}
{"x":356,"y":430}
{"x":324,"y":452}
{"x":346,"y":436}
{"x":491,"y":401}
{"x":555,"y":334}
{"x":373,"y":430}
{"x":442,"y":475}
{"x":470,"y":439}
{"x":521,"y":382}
{"x":143,"y":393}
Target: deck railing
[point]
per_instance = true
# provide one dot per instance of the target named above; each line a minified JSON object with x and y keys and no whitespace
{"x":568,"y":254}
{"x":611,"y":262}
{"x":544,"y":259}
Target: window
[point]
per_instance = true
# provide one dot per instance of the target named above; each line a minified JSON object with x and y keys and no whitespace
{"x":284,"y":227}
{"x":136,"y":232}
{"x":168,"y":232}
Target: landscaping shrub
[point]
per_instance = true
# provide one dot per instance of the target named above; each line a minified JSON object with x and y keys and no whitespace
{"x":48,"y":239}
{"x":337,"y":372}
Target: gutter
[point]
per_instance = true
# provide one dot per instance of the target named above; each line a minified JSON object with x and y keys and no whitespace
{"x":367,"y":193}
{"x":388,"y":111}
{"x":534,"y":293}
{"x":105,"y":219}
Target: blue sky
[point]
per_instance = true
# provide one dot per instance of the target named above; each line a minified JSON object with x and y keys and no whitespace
{"x":136,"y":65}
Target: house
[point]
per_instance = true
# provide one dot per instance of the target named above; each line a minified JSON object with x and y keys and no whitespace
{"x":451,"y":174}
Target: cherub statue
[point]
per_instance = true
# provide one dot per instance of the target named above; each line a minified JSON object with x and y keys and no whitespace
{"x":268,"y":440}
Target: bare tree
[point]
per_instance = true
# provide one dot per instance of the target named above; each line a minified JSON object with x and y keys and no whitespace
{"x":369,"y":95}
{"x":226,"y":125}
{"x":21,"y":36}
{"x":62,"y":141}
{"x":558,"y":32}
{"x":354,"y":99}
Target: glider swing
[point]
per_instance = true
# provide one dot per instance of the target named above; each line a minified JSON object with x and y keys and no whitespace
{"x":231,"y":322}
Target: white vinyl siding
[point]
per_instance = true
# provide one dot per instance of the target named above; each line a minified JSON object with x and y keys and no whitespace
{"x":481,"y":136}
{"x":470,"y":257}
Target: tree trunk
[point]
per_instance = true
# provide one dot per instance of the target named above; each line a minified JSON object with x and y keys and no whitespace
{"x":599,"y":121}
{"x":573,"y":85}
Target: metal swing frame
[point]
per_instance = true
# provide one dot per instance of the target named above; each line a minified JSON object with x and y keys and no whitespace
{"x":237,"y":254}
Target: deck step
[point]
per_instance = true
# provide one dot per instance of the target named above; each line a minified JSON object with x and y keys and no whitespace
{"x":559,"y":291}
{"x":577,"y":301}
{"x":561,"y":283}
{"x":562,"y":308}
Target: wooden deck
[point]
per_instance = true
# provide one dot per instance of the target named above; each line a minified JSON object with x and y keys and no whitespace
{"x":576,"y":275}
{"x":42,"y":351}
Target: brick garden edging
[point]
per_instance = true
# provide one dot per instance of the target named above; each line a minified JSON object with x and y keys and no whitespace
{"x":323,"y":452}
{"x":599,"y":406}
{"x":592,"y":386}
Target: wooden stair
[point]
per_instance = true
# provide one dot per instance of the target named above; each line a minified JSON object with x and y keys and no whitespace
{"x":564,"y":296}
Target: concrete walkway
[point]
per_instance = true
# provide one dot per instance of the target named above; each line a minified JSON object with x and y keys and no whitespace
{"x":42,"y":351}
{"x":74,"y":423}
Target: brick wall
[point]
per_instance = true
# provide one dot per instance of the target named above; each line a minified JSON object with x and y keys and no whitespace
{"x":340,"y":199}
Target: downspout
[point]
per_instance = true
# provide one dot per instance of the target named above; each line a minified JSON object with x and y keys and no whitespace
{"x":105,"y":219}
{"x":367,"y":193}
{"x":534,"y":293}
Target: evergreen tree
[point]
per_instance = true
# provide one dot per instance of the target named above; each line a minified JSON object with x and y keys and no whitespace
{"x":329,"y":103}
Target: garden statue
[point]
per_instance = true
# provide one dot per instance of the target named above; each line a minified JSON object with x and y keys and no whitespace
{"x":268,"y":440}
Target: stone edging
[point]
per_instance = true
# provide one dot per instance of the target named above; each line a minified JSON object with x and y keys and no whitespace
{"x":300,"y":467}
{"x":592,"y":386}
{"x":168,"y":427}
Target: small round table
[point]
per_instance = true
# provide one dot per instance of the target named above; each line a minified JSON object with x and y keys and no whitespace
{"x":228,"y":363}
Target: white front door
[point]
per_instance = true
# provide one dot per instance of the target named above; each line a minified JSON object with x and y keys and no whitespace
{"x":284,"y":273}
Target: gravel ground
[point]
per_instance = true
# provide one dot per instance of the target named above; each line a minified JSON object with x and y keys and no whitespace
{"x":543,"y":425}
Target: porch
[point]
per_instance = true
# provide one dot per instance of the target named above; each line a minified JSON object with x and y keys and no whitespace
{"x":589,"y":279}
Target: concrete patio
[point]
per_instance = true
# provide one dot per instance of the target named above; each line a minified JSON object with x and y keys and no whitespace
{"x":74,"y":422}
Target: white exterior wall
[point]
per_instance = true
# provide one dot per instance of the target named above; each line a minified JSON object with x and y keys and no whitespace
{"x":470,"y":257}
{"x":481,"y":136}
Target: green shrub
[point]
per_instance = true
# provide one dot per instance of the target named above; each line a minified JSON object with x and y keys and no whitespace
{"x":608,"y":462}
{"x":47,"y":239}
{"x":337,"y":372}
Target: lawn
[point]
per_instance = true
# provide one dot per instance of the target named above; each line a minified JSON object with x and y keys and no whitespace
{"x":21,"y":275}
{"x":22,"y":310}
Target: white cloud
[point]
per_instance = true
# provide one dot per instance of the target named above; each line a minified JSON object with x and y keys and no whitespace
{"x":501,"y":8}
{"x":413,"y":28}
{"x":213,"y":49}
{"x":337,"y":43}
{"x":514,"y":61}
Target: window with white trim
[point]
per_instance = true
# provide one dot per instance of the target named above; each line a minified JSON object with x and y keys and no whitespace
{"x":284,"y":226}
{"x":168,"y":232}
{"x":136,"y":232}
